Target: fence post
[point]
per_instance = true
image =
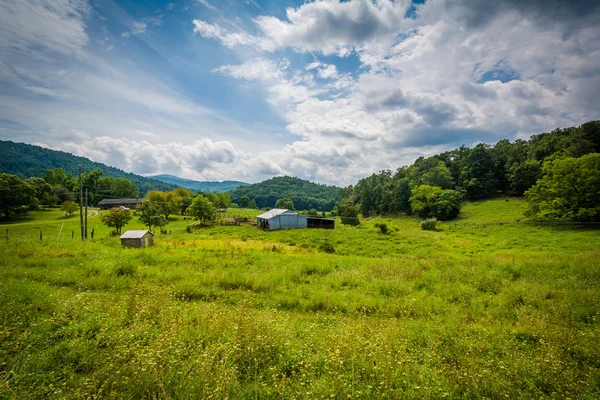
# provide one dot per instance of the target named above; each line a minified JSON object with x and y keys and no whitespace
{"x":6,"y":234}
{"x":41,"y":236}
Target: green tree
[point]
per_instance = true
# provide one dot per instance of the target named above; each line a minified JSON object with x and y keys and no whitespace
{"x":349,"y":214}
{"x":148,"y":211}
{"x":116,"y":218}
{"x":438,"y":175}
{"x":202,"y":209}
{"x":244,"y":202}
{"x":15,"y":195}
{"x":447,"y":205}
{"x":422,"y":199}
{"x":284,"y":203}
{"x":522,"y":176}
{"x":167,"y":203}
{"x":69,"y":207}
{"x":41,"y":187}
{"x":49,"y":200}
{"x":568,"y":191}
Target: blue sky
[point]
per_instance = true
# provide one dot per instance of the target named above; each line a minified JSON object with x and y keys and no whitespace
{"x":325,"y":90}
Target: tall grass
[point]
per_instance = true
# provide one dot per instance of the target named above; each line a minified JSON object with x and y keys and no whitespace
{"x":469,"y":311}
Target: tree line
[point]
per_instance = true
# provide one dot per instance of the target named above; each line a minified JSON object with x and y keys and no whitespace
{"x":558,"y":173}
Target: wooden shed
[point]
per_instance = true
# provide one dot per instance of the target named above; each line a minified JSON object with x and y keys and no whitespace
{"x":141,"y":238}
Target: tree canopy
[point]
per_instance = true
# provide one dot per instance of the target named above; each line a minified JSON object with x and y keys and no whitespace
{"x":15,"y":195}
{"x":568,"y":191}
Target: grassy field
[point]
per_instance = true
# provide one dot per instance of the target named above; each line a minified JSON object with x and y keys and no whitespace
{"x":486,"y":307}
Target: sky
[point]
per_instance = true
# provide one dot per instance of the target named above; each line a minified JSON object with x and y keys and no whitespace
{"x":330,"y":91}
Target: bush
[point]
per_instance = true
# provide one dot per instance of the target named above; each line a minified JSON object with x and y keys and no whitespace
{"x":125,"y":269}
{"x":327,"y":247}
{"x":383,"y":228}
{"x":188,"y":229}
{"x":429,"y":224}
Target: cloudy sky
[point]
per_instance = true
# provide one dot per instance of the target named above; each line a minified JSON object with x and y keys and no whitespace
{"x":324,"y":90}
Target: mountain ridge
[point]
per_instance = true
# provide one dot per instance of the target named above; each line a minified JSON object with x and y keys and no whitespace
{"x":28,"y":160}
{"x":201,"y":186}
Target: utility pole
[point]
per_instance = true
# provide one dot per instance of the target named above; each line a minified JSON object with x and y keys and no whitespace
{"x":86,"y":206}
{"x":81,"y":203}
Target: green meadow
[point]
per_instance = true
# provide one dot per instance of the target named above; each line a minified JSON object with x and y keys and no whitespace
{"x":488,"y":306}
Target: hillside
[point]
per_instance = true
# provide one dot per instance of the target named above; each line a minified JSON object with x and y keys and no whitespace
{"x":304,"y":194}
{"x":200,"y":186}
{"x":27,"y":160}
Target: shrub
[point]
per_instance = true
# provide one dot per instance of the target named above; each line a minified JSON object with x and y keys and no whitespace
{"x":429,"y":224}
{"x":188,"y":229}
{"x":126,"y":269}
{"x":383,"y":228}
{"x":327,"y":247}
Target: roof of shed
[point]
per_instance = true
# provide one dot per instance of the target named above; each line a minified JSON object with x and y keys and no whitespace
{"x":275,"y":212}
{"x":135,"y":234}
{"x":120,"y":201}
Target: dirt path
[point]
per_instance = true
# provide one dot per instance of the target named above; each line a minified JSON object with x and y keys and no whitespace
{"x":92,"y":213}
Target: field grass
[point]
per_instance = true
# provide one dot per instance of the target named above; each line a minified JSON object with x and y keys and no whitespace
{"x":486,"y":307}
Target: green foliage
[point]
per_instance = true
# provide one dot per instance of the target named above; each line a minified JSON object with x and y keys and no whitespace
{"x":69,"y":208}
{"x":149,"y":213}
{"x":58,"y":167}
{"x":447,"y":205}
{"x":429,"y":224}
{"x":116,"y":218}
{"x":422,"y":199}
{"x":350,"y":215}
{"x":477,"y":173}
{"x":383,"y":228}
{"x":202,"y":209}
{"x":568,"y":191}
{"x":15,"y":195}
{"x":432,"y":201}
{"x":304,"y":194}
{"x":244,"y":202}
{"x":285,"y":203}
{"x":327,"y":247}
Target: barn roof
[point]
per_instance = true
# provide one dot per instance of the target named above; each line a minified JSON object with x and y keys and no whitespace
{"x":121,"y":201}
{"x":135,"y":234}
{"x":275,"y":212}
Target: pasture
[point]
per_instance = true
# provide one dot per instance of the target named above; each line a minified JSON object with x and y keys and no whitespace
{"x":486,"y":307}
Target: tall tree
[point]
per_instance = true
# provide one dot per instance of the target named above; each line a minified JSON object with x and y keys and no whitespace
{"x":15,"y":195}
{"x":202,"y":209}
{"x":568,"y":191}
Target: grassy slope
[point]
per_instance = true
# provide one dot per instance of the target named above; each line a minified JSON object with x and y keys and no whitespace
{"x":476,"y":310}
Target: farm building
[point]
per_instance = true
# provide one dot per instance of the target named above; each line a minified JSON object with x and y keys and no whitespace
{"x":111,"y":203}
{"x":141,"y":238}
{"x":321,"y":223}
{"x":280,"y":218}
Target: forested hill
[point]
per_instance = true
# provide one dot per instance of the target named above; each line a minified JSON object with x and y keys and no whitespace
{"x":509,"y":168}
{"x":27,"y":161}
{"x":304,"y":194}
{"x":200,"y":186}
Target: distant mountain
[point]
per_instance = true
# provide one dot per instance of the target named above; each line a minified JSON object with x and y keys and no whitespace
{"x":200,"y":186}
{"x":304,"y":194}
{"x":26,"y":160}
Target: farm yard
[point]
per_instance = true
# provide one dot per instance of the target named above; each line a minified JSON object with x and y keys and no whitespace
{"x":486,"y":307}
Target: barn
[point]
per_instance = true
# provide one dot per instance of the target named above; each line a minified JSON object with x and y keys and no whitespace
{"x":111,"y":203}
{"x":141,"y":238}
{"x":281,"y":218}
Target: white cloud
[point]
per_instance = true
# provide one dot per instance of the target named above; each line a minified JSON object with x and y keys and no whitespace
{"x":206,"y":4}
{"x":31,"y":25}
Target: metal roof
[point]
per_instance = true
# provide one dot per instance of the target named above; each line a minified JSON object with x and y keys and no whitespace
{"x":121,"y":201}
{"x":275,"y":212}
{"x":135,"y":234}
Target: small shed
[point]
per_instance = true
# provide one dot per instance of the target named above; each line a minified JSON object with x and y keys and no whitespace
{"x":281,"y":218}
{"x":141,"y":238}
